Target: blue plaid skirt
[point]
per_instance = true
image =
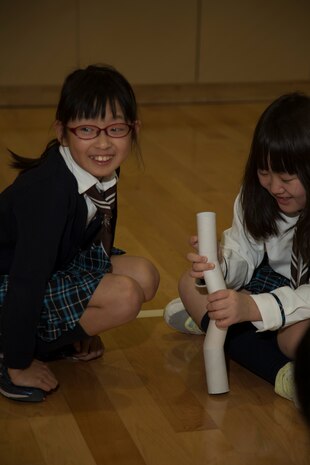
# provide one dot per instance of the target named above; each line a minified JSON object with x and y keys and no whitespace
{"x":69,"y":291}
{"x":265,"y":279}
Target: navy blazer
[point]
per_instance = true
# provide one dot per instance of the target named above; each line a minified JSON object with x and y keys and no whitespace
{"x":42,"y":227}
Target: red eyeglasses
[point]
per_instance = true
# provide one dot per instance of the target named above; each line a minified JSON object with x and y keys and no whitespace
{"x":116,"y":130}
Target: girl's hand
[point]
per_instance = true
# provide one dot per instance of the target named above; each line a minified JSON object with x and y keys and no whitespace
{"x":193,"y":240}
{"x":228,"y":307}
{"x":89,"y":349}
{"x":37,"y":375}
{"x":199,"y":263}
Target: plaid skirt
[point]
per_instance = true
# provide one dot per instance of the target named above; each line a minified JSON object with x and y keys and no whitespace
{"x":265,"y":279}
{"x":69,"y":291}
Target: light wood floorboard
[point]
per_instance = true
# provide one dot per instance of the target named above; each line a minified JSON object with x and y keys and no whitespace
{"x":146,"y":402}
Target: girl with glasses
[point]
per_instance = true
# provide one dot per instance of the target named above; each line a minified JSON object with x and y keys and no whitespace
{"x":62,"y":281}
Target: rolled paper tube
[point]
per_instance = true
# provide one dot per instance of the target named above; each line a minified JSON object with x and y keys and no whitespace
{"x":213,"y":347}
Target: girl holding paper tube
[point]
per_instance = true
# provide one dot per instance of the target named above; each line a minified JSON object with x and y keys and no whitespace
{"x":264,"y":256}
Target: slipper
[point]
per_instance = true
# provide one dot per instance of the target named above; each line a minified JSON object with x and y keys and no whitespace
{"x":20,"y":393}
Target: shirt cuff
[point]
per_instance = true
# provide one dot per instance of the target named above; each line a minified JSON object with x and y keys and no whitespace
{"x":270,"y":310}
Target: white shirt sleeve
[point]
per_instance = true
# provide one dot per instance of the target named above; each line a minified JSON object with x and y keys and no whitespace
{"x":242,"y":254}
{"x":291,"y":306}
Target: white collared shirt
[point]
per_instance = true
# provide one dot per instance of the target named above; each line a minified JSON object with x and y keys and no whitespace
{"x":86,"y":180}
{"x":242,"y":254}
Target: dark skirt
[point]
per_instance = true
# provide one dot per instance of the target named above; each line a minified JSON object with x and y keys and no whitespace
{"x":265,"y":279}
{"x":69,"y":291}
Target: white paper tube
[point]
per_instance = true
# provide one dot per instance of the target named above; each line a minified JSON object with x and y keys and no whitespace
{"x":213,"y":347}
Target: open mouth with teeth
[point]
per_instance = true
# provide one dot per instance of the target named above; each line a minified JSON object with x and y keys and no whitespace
{"x":101,"y":158}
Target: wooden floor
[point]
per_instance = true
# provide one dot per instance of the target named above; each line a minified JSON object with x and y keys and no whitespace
{"x":146,"y":402}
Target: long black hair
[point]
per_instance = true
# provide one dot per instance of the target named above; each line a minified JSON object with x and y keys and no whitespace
{"x":85,"y":94}
{"x":281,"y":142}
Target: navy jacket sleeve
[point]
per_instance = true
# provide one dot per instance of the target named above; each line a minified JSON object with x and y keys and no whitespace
{"x":43,"y":208}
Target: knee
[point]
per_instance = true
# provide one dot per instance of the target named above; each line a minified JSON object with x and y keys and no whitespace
{"x":184,"y":281}
{"x":130,"y":299}
{"x":285,"y":346}
{"x":149,"y":278}
{"x":290,"y":337}
{"x":186,"y":285}
{"x":117,"y":301}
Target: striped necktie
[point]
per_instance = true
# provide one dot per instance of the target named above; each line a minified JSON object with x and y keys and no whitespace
{"x":105,"y":202}
{"x":299,"y":271}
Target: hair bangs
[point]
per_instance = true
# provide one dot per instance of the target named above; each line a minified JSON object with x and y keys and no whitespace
{"x":282,"y":161}
{"x":87,"y":93}
{"x":90,"y":107}
{"x":94,"y":105}
{"x":278,"y":150}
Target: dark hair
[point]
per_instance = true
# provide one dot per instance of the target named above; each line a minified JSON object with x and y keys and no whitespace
{"x":85,"y":94}
{"x":302,"y":375}
{"x":281,"y":140}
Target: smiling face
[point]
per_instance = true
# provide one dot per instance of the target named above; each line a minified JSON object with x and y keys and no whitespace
{"x":102,"y":155}
{"x":287,"y":190}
